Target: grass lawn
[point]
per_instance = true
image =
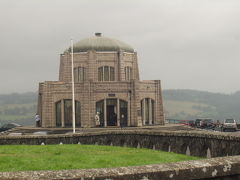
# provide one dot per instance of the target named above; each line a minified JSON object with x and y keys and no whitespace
{"x":56,"y":157}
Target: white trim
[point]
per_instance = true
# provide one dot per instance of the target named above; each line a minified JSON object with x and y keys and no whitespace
{"x":128,"y":53}
{"x":80,"y":53}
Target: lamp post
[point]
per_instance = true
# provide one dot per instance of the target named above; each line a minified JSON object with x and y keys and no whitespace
{"x":73,"y":93}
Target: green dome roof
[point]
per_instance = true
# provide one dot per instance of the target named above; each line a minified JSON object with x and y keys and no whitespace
{"x":99,"y":43}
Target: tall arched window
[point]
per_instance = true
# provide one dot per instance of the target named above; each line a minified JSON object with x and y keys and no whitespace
{"x":106,"y":73}
{"x":68,"y":113}
{"x":79,"y":74}
{"x":128,"y":73}
{"x":64,"y":108}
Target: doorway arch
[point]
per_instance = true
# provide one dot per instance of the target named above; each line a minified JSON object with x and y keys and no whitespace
{"x":112,"y":112}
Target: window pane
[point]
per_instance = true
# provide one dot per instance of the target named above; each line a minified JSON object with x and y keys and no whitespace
{"x":153,"y":115}
{"x":76,"y":75}
{"x":123,"y":104}
{"x":58,"y":114}
{"x":84,"y":73}
{"x":112,"y":77}
{"x":130,"y":73}
{"x":100,"y":74}
{"x":106,"y":73}
{"x":68,"y":112}
{"x":146,"y":111}
{"x":78,"y":113}
{"x":100,"y":109}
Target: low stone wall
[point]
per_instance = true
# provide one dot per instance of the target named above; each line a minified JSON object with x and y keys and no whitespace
{"x":197,"y":143}
{"x":215,"y":169}
{"x":203,"y":144}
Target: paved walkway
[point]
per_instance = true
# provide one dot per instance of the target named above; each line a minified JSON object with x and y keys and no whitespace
{"x":27,"y":130}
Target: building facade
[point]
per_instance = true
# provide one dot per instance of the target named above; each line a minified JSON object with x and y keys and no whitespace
{"x":106,"y":78}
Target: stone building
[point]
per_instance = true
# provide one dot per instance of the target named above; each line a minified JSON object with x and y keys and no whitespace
{"x":106,"y":77}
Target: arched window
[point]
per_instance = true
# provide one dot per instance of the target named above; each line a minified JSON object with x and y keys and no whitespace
{"x":106,"y":73}
{"x":128,"y":73}
{"x":68,"y":113}
{"x":79,"y":74}
{"x":65,"y":109}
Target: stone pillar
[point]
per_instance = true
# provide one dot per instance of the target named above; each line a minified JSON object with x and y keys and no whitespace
{"x":118,"y":112}
{"x":150,"y":111}
{"x":92,"y":65}
{"x":144,"y":111}
{"x":121,"y":64}
{"x":62,"y":112}
{"x":105,"y":113}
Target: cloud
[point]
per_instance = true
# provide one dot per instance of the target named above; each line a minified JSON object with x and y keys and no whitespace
{"x":185,"y":43}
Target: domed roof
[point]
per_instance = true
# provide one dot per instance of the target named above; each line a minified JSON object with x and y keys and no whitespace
{"x":100,"y":43}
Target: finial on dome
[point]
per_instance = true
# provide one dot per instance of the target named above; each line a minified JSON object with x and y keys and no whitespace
{"x":98,"y":34}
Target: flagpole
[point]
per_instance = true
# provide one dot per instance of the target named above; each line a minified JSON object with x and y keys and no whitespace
{"x":73,"y":93}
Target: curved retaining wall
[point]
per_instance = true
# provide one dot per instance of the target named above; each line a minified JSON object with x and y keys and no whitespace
{"x":215,"y":169}
{"x":197,"y":143}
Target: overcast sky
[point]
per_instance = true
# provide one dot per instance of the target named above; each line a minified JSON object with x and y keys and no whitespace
{"x":188,"y":44}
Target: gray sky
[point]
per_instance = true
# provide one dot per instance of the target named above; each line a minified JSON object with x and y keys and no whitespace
{"x":188,"y":44}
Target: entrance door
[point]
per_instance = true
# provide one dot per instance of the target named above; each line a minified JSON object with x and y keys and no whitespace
{"x":111,"y":112}
{"x":111,"y":116}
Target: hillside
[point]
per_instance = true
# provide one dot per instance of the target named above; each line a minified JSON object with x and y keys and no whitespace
{"x":192,"y":104}
{"x":19,"y":108}
{"x":178,"y":104}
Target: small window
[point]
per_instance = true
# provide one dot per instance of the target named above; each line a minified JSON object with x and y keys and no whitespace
{"x":112,"y":74}
{"x":100,"y":74}
{"x":79,"y":74}
{"x":106,"y":73}
{"x":128,"y":73}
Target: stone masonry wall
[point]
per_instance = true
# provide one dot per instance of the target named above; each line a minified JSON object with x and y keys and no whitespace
{"x":90,"y":90}
{"x":184,"y":142}
{"x":227,"y":168}
{"x":193,"y":143}
{"x":88,"y":93}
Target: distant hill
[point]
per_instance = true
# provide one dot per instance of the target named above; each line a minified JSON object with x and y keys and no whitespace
{"x":178,"y":104}
{"x":192,"y":104}
{"x":19,"y":108}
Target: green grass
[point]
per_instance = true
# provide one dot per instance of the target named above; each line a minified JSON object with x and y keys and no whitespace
{"x":57,"y":157}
